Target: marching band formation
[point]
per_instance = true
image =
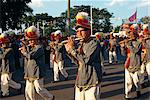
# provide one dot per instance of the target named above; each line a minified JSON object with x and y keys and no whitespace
{"x":87,"y":53}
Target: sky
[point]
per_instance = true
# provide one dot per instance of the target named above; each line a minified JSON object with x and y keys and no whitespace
{"x":121,"y":9}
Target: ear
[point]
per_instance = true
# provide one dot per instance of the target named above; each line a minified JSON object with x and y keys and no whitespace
{"x":89,"y":32}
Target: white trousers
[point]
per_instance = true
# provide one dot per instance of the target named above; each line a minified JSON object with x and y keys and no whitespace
{"x":130,"y":79}
{"x":111,"y":55}
{"x":59,"y":67}
{"x":39,"y":87}
{"x":6,"y":81}
{"x":143,"y":69}
{"x":103,"y":69}
{"x":91,"y":94}
{"x":51,"y":60}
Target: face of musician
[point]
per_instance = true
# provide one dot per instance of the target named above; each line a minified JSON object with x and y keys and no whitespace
{"x":133,"y":35}
{"x":98,"y":37}
{"x":146,"y":34}
{"x":33,"y":42}
{"x":5,"y":45}
{"x":83,"y":33}
{"x":57,"y":38}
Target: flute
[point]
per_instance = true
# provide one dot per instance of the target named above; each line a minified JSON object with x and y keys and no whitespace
{"x":64,"y":42}
{"x":125,"y":40}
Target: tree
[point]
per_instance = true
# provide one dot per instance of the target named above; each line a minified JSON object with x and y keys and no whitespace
{"x":101,"y":18}
{"x":12,"y":12}
{"x":146,"y":19}
{"x":116,"y":30}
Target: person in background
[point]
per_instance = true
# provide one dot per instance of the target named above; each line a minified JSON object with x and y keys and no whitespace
{"x":98,"y":38}
{"x":145,"y":67}
{"x":58,"y":58}
{"x":112,"y":49}
{"x":132,"y":71}
{"x":15,"y":47}
{"x":35,"y":66}
{"x":7,"y":66}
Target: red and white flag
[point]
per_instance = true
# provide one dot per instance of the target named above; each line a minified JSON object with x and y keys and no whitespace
{"x":133,"y":17}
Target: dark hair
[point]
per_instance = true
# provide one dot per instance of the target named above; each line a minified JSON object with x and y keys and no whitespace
{"x":82,"y":27}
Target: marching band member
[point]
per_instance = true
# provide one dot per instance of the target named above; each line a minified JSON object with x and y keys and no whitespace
{"x":35,"y":67}
{"x":146,"y":59}
{"x":87,"y":57}
{"x":50,"y":47}
{"x":58,"y":59}
{"x":7,"y":66}
{"x":132,"y":70}
{"x":98,"y":38}
{"x":112,"y":49}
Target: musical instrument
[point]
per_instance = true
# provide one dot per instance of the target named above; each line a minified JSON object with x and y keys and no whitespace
{"x":146,"y":38}
{"x":63,"y":42}
{"x":125,"y":41}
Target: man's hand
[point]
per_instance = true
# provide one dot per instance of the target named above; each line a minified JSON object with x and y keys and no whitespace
{"x":70,"y":44}
{"x":22,"y":49}
{"x":52,"y":44}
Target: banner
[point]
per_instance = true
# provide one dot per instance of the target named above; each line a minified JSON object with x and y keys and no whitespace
{"x":133,"y":17}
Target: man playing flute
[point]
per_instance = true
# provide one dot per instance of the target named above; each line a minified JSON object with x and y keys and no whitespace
{"x":87,"y":57}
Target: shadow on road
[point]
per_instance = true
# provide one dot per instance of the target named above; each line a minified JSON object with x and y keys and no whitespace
{"x":114,"y":78}
{"x":111,"y":93}
{"x":104,"y":85}
{"x":115,"y":73}
{"x":59,"y":87}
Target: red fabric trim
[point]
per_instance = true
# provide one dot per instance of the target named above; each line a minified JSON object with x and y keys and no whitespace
{"x":32,"y":35}
{"x":83,"y":23}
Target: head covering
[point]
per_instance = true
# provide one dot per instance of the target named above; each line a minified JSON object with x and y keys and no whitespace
{"x":52,"y":36}
{"x":134,"y":27}
{"x":125,"y":26}
{"x":32,"y":33}
{"x":141,"y":36}
{"x":97,"y":35}
{"x":57,"y":35}
{"x":58,"y":32}
{"x":145,"y":29}
{"x":82,"y":20}
{"x":4,"y":38}
{"x":111,"y":35}
{"x":11,"y":33}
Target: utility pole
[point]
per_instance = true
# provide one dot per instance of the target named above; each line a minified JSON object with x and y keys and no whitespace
{"x":1,"y":16}
{"x":68,"y":20}
{"x":43,"y":28}
{"x":91,"y":20}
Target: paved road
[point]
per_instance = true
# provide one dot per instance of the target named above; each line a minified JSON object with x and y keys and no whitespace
{"x":112,"y":86}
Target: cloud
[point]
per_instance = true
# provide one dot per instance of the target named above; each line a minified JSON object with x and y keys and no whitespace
{"x":143,"y":3}
{"x":129,"y":3}
{"x":36,"y":3}
{"x":115,"y":2}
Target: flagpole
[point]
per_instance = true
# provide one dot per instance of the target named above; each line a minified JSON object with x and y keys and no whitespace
{"x":136,"y":16}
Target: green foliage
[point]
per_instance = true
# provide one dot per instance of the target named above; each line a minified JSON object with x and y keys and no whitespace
{"x":146,"y":19}
{"x":101,"y":18}
{"x":116,"y":30}
{"x":12,"y":11}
